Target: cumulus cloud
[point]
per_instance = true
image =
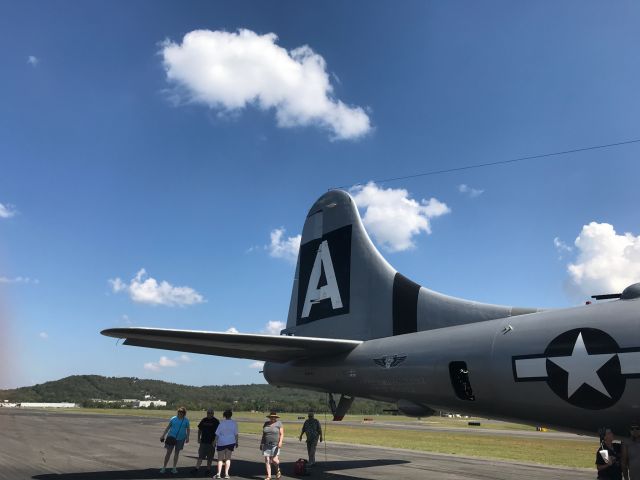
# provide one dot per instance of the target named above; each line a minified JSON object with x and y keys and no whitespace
{"x":606,"y":261}
{"x":471,"y":192}
{"x":273,"y":327}
{"x":7,"y":211}
{"x":231,"y":330}
{"x":229,"y":71}
{"x":33,"y":61}
{"x":43,"y":335}
{"x":145,"y":289}
{"x":393,"y":218}
{"x":166,"y":362}
{"x":25,"y":280}
{"x":257,"y":365}
{"x":284,"y":247}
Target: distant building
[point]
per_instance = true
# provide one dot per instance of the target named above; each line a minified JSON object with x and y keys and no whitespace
{"x":150,"y":403}
{"x":46,"y":405}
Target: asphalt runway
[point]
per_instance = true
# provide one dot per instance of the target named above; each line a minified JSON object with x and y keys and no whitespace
{"x":58,"y":446}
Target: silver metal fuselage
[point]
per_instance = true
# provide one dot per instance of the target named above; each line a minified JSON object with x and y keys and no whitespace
{"x":488,"y":348}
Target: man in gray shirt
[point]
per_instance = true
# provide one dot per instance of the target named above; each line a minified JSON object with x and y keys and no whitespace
{"x":313,"y":431}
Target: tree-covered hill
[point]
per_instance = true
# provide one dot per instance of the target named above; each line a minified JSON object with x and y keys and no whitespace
{"x":82,"y":389}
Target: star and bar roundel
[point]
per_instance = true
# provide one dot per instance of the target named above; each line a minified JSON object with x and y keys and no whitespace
{"x":583,"y":366}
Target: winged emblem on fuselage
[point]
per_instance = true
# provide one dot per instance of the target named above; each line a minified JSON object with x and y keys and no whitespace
{"x":390,"y":361}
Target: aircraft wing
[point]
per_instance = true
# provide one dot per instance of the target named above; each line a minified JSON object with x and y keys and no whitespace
{"x":272,"y":348}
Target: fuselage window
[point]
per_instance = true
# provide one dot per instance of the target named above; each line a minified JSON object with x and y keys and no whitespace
{"x":460,"y":381}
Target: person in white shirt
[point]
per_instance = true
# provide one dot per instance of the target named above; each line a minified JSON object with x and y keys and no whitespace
{"x":227,"y":441}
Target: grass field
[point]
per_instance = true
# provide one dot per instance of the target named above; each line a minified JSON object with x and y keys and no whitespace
{"x":545,"y":450}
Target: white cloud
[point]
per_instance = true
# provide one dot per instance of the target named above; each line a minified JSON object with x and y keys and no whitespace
{"x":154,"y":367}
{"x":257,"y":365}
{"x":166,"y":362}
{"x":472,"y":192}
{"x":561,"y":247}
{"x":145,"y":289}
{"x":606,"y":262}
{"x":273,"y":327}
{"x":33,"y":61}
{"x":43,"y":335}
{"x":7,"y":211}
{"x":392,"y":218}
{"x":25,"y":280}
{"x":229,"y":71}
{"x":232,"y":330}
{"x":286,"y":248}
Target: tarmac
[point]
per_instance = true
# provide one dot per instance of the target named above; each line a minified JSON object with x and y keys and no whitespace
{"x":59,"y":446}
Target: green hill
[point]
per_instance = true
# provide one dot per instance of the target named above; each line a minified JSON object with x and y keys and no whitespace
{"x":82,"y":389}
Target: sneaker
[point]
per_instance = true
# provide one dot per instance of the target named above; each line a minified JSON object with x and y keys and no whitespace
{"x":174,"y":471}
{"x":226,"y":476}
{"x":217,"y":475}
{"x":163,"y":470}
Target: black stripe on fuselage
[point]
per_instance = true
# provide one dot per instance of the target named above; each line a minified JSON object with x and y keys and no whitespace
{"x":405,"y":305}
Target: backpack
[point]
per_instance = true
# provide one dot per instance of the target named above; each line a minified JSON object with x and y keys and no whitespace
{"x":300,"y":468}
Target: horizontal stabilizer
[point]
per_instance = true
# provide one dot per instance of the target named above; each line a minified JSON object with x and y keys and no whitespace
{"x":272,"y":348}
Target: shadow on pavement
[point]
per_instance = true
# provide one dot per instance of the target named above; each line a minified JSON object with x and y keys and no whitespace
{"x":239,"y":469}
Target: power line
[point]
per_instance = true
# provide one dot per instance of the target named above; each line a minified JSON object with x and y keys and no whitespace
{"x":500,"y":162}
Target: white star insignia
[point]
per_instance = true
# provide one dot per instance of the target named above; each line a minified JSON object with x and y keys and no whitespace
{"x":583,"y":368}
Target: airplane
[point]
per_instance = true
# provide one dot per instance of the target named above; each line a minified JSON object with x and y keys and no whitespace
{"x":358,"y":328}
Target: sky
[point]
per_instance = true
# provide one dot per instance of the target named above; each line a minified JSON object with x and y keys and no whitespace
{"x":158,"y":158}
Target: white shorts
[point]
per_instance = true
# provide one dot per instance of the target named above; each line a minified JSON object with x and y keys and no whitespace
{"x":271,"y":451}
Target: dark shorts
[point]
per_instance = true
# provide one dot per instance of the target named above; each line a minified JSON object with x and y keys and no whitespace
{"x":206,"y":450}
{"x":178,"y":446}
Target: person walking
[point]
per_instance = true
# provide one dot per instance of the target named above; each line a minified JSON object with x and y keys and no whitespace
{"x":608,"y":458}
{"x":271,"y":443}
{"x":312,"y":429}
{"x":206,"y":439}
{"x":631,"y":454}
{"x":227,"y":441}
{"x":178,"y":434}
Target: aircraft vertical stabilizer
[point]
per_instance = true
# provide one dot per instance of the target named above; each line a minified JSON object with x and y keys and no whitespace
{"x":344,"y":288}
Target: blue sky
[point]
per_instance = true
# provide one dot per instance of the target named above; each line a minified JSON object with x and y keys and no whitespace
{"x":118,"y":152}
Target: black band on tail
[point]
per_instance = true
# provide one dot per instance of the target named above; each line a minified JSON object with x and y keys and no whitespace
{"x":405,"y":305}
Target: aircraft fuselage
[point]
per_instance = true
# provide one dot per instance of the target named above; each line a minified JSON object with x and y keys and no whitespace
{"x":574,"y":368}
